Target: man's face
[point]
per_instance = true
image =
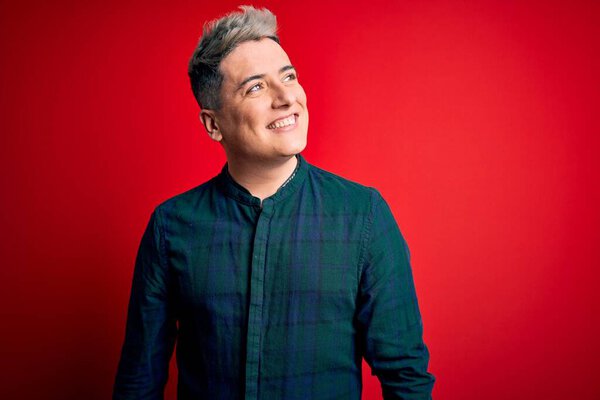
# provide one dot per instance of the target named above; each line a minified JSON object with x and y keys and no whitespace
{"x":263,"y":115}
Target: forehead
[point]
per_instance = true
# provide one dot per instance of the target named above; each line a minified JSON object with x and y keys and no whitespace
{"x":254,"y":57}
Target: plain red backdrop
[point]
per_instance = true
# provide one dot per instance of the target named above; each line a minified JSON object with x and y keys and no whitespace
{"x":478,"y":121}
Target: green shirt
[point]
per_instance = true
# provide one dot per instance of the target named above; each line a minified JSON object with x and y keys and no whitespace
{"x":275,"y":302}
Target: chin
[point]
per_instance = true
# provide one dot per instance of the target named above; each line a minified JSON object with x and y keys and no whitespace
{"x":297,"y":147}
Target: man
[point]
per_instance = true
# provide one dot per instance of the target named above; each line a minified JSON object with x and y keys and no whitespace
{"x":275,"y":277}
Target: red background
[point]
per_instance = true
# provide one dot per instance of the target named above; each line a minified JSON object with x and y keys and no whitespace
{"x":476,"y":120}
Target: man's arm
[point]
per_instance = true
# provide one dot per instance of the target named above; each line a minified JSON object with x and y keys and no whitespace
{"x":151,"y":327}
{"x":388,"y":312}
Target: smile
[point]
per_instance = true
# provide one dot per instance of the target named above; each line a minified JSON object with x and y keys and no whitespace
{"x":283,"y":122}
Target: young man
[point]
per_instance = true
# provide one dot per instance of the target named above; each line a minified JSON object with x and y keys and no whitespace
{"x":275,"y":277}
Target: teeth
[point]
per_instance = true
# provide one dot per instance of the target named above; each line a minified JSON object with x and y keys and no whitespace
{"x":284,"y":122}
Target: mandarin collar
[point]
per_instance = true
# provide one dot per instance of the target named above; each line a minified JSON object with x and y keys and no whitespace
{"x":239,"y":193}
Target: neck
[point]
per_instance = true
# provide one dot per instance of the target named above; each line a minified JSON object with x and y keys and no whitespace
{"x":262,"y":180}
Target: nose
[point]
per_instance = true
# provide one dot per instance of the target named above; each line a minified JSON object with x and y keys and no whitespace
{"x":283,"y":96}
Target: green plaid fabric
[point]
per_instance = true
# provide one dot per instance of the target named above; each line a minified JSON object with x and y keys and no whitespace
{"x":275,"y":302}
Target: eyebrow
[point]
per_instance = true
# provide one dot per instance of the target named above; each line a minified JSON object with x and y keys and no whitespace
{"x":261,"y":76}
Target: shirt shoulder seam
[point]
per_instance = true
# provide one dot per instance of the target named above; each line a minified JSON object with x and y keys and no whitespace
{"x":366,"y":234}
{"x":162,"y":243}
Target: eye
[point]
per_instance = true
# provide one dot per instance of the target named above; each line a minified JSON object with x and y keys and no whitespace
{"x":254,"y":88}
{"x":290,"y":77}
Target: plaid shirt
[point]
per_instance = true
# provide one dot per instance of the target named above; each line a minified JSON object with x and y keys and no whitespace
{"x":279,"y":301}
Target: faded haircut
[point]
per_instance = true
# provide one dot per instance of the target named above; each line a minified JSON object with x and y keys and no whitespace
{"x":219,"y":38}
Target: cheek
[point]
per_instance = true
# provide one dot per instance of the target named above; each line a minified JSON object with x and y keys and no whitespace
{"x":254,"y":121}
{"x":250,"y":117}
{"x":301,"y":95}
{"x":246,"y":118}
{"x":302,"y":100}
{"x":257,"y":116}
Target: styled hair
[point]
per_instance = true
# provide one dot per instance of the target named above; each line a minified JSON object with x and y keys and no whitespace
{"x":219,"y":38}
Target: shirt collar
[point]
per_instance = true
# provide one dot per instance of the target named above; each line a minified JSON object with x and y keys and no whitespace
{"x":239,"y":193}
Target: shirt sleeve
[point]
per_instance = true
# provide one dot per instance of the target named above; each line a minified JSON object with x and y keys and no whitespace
{"x":388,"y":312}
{"x":151,"y":325}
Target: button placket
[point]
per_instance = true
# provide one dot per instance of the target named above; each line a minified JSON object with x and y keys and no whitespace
{"x":256,"y":306}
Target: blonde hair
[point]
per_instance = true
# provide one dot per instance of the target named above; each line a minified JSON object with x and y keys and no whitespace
{"x":219,"y":38}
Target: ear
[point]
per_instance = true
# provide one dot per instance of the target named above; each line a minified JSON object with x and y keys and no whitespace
{"x":208,"y":119}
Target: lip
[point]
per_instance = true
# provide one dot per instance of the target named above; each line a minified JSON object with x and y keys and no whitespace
{"x":284,"y":128}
